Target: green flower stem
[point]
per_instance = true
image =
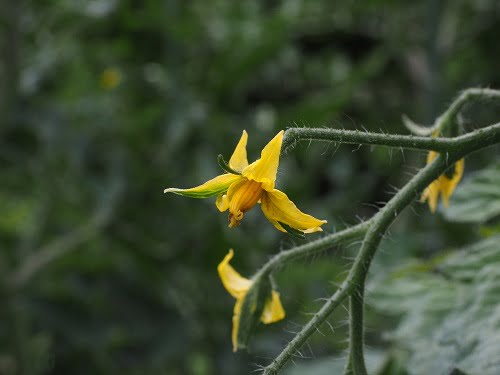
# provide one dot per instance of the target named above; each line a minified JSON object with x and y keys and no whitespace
{"x":377,"y":226}
{"x":313,"y":247}
{"x":295,"y":135}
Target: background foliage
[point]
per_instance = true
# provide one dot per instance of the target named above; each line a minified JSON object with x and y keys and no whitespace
{"x":105,"y":102}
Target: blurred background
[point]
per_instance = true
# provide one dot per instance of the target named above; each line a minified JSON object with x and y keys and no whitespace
{"x":104,"y":103}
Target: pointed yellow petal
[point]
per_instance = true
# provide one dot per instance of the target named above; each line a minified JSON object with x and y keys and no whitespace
{"x":273,"y":310}
{"x":239,"y":160}
{"x":234,"y":283}
{"x":278,"y":208}
{"x":449,"y":185}
{"x":210,"y":188}
{"x":264,"y":170}
{"x":431,"y":192}
{"x":236,"y":323}
{"x":222,"y":202}
{"x":431,"y":156}
{"x":431,"y":195}
{"x":459,"y":172}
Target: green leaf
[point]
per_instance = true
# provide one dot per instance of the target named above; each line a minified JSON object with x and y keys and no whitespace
{"x":477,"y":199}
{"x":450,"y":311}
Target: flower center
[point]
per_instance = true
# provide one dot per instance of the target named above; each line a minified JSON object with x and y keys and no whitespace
{"x":242,"y":200}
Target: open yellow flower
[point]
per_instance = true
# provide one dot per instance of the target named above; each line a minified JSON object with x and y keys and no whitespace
{"x":238,"y":287}
{"x":444,"y":184}
{"x":254,"y":183}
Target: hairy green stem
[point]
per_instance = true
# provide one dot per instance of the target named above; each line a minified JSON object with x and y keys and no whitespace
{"x":359,"y":269}
{"x":348,"y":370}
{"x":313,"y":247}
{"x":356,"y":330}
{"x":377,"y":226}
{"x":295,"y":135}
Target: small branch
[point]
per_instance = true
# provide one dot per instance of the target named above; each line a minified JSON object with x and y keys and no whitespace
{"x":443,"y":121}
{"x":294,"y":135}
{"x":313,"y":247}
{"x":467,"y":96}
{"x":360,"y":267}
{"x":299,"y":340}
{"x":379,"y":224}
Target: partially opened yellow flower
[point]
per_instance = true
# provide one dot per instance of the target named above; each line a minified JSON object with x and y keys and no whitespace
{"x":249,"y":184}
{"x":444,"y":184}
{"x":238,"y":287}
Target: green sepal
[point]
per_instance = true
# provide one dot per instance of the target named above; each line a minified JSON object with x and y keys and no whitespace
{"x":252,"y":308}
{"x":197,"y":194}
{"x":292,"y":231}
{"x":225,"y":166}
{"x":416,"y":128}
{"x":213,"y":187}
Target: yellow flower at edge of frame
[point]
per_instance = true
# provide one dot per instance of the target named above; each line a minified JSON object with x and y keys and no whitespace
{"x":443,"y":185}
{"x":238,"y":193}
{"x":238,"y":287}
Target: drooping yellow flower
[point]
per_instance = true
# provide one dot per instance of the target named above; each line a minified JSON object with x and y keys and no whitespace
{"x":254,"y":184}
{"x":444,"y":184}
{"x":238,"y":287}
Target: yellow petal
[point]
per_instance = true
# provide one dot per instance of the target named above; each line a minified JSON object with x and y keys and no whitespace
{"x":264,"y":170}
{"x":431,"y":156}
{"x":449,"y":185}
{"x":431,"y":192}
{"x":431,"y":195}
{"x":273,"y":310}
{"x":239,"y":160}
{"x":234,"y":283}
{"x":215,"y":186}
{"x":241,"y":199}
{"x":222,"y":202}
{"x":236,"y":323}
{"x":278,"y":208}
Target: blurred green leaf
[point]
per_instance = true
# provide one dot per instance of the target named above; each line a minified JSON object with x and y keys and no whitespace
{"x":477,"y":199}
{"x":450,"y":314}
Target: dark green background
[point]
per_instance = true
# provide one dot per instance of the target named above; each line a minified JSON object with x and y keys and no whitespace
{"x":101,"y":272}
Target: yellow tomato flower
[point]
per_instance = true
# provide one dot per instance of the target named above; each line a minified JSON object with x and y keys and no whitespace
{"x":238,"y":287}
{"x":254,"y":184}
{"x":443,"y":185}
